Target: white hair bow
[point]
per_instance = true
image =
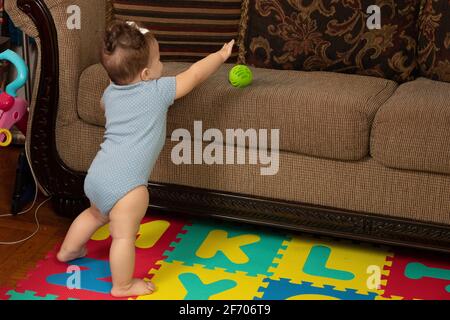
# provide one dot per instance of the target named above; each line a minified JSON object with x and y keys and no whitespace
{"x":142,"y":30}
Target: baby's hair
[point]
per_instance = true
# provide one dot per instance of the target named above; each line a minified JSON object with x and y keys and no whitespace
{"x":125,"y":51}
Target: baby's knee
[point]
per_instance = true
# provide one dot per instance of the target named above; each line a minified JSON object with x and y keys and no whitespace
{"x":124,"y":225}
{"x":123,"y":231}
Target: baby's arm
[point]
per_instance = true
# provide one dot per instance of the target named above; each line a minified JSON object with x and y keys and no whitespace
{"x":202,"y":70}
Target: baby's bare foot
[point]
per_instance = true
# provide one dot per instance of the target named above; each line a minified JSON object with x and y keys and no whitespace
{"x":66,"y":255}
{"x":137,"y":288}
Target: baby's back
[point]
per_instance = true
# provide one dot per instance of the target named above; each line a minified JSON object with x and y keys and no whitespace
{"x":134,"y":137}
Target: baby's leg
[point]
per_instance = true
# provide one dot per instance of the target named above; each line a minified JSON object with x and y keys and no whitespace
{"x":125,"y":219}
{"x":81,"y":230}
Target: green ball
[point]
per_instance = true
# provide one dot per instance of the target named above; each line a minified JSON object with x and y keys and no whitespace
{"x":241,"y":76}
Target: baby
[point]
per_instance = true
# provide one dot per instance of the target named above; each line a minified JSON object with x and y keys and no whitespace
{"x":135,"y":105}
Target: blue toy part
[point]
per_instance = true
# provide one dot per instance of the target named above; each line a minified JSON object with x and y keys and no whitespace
{"x":22,"y":71}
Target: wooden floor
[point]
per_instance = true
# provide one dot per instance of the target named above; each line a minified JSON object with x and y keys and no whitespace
{"x":17,"y":260}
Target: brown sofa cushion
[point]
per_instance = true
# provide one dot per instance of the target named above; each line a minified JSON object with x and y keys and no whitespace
{"x":331,"y":36}
{"x":412,"y":129}
{"x":186,"y":30}
{"x":434,"y":40}
{"x":320,"y":114}
{"x":361,"y":186}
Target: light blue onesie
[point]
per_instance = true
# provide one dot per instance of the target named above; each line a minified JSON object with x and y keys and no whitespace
{"x":135,"y":135}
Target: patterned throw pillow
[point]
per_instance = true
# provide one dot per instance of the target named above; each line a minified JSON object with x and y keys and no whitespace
{"x":434,"y":40}
{"x":187,"y":30}
{"x":331,"y":35}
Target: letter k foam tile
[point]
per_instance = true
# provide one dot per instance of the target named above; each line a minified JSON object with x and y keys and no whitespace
{"x":175,"y":281}
{"x":424,"y":275}
{"x":229,"y":247}
{"x":93,"y":271}
{"x":337,"y":263}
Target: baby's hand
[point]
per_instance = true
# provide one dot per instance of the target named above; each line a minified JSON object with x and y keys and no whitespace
{"x":225,"y":52}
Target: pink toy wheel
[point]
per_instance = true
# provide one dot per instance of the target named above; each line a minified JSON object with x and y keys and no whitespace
{"x":8,"y":137}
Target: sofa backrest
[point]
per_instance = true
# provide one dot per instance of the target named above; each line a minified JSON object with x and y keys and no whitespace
{"x":328,"y":35}
{"x":187,"y":30}
{"x":434,"y":40}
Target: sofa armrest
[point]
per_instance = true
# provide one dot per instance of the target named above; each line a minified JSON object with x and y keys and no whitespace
{"x":20,"y":19}
{"x":17,"y":9}
{"x":63,"y":54}
{"x":77,"y":48}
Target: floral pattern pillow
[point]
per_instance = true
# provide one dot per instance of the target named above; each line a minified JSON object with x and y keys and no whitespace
{"x":434,"y":40}
{"x":331,"y":35}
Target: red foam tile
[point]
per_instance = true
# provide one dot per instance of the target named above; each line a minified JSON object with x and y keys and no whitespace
{"x":3,"y":295}
{"x":146,"y":259}
{"x":425,"y":288}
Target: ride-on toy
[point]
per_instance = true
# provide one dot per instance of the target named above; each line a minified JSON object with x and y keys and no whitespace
{"x":14,"y":111}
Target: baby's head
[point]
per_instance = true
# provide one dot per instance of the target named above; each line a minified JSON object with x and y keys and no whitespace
{"x":130,"y":54}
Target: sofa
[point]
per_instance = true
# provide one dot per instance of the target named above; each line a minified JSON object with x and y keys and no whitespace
{"x":364,"y":151}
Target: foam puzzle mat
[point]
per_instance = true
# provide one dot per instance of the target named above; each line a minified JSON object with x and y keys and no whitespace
{"x":206,"y":259}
